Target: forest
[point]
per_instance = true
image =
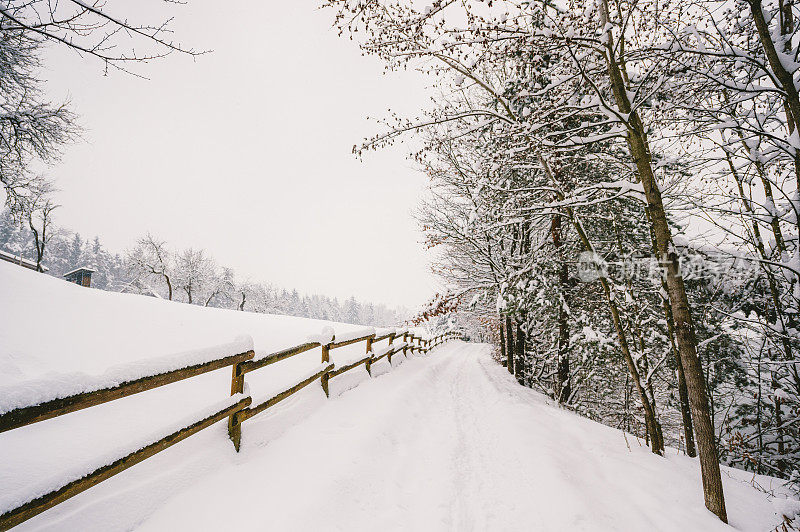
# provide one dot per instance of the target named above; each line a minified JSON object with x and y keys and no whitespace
{"x":615,"y":201}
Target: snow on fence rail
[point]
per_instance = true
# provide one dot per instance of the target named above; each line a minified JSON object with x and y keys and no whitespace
{"x":129,"y":380}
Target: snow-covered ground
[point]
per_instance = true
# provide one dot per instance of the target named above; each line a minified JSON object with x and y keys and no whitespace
{"x":451,"y":442}
{"x":447,"y":441}
{"x":58,"y":338}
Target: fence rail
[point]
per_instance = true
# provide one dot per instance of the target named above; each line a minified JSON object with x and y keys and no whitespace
{"x":58,"y":407}
{"x":252,"y":365}
{"x":237,"y":410}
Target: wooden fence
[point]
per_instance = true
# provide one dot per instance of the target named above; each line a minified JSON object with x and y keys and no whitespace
{"x":237,"y":410}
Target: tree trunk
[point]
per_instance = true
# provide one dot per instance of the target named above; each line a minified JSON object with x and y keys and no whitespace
{"x":563,"y":388}
{"x":683,"y":392}
{"x":686,"y":413}
{"x":653,"y":427}
{"x":685,"y":335}
{"x":781,"y":463}
{"x":37,"y":243}
{"x":759,"y":431}
{"x":509,"y":346}
{"x":519,"y":362}
{"x":502,"y":343}
{"x":169,"y":287}
{"x":564,"y":384}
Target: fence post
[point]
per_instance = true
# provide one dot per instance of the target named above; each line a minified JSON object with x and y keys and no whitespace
{"x":391,"y":339}
{"x":234,"y":423}
{"x":405,"y":347}
{"x":368,"y":363}
{"x":326,"y":357}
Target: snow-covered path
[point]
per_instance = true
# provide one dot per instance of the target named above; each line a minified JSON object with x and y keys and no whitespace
{"x":451,"y":442}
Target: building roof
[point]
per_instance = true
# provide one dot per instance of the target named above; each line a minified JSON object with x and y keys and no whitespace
{"x":18,"y":259}
{"x":82,"y":269}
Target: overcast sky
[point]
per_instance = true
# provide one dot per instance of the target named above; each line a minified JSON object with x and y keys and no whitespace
{"x":246,"y":152}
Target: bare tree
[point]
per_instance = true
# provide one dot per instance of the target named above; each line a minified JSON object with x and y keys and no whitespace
{"x":38,"y":210}
{"x":33,"y":129}
{"x":91,"y":27}
{"x":152,"y":258}
{"x":221,"y":286}
{"x":194,"y":272}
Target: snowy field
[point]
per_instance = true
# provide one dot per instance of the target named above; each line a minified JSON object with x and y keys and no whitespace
{"x":58,"y":338}
{"x":443,"y":442}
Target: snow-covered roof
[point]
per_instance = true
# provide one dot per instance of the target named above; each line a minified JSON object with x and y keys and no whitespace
{"x":131,"y":288}
{"x":82,"y":268}
{"x":17,"y":259}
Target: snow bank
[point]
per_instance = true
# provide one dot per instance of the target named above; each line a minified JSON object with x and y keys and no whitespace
{"x":80,"y":330}
{"x":324,"y":337}
{"x":382,"y":330}
{"x":352,"y":335}
{"x":397,"y":331}
{"x":380,"y":351}
{"x":9,"y":499}
{"x":58,"y":339}
{"x":57,"y":386}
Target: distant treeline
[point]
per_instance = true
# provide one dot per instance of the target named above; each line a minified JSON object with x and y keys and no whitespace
{"x":153,"y":268}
